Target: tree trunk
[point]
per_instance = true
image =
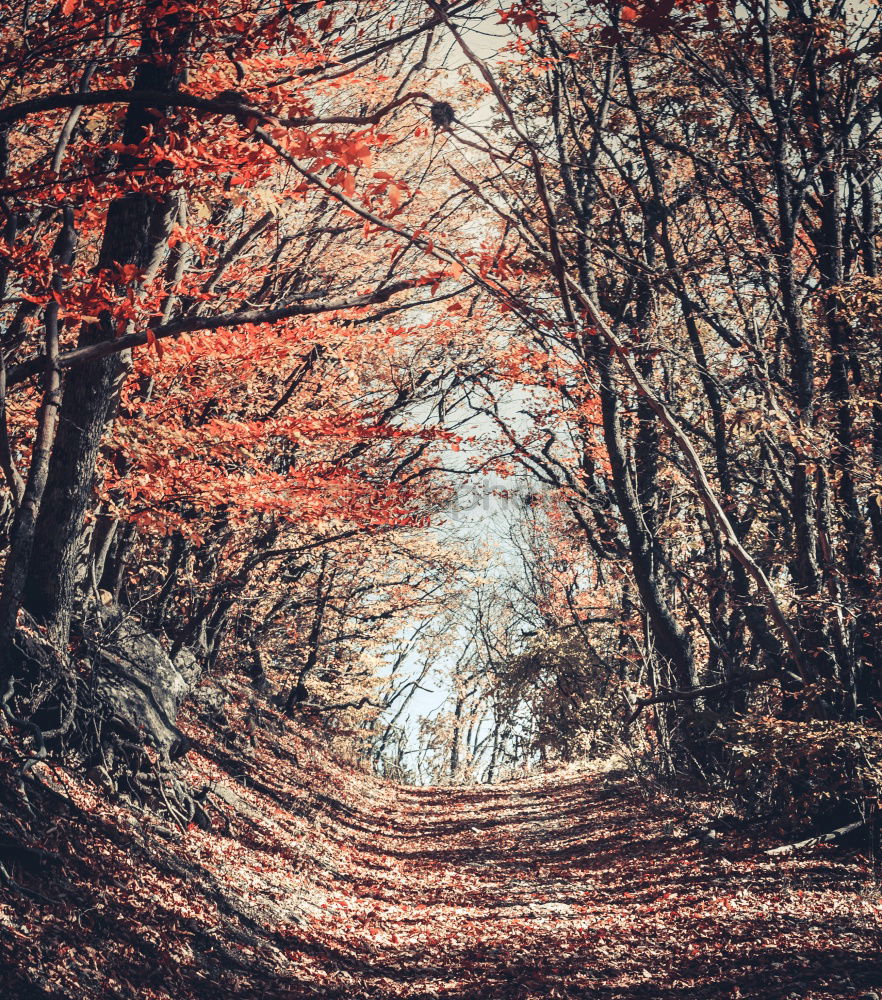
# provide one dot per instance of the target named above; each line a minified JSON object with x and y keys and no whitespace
{"x":23,"y":533}
{"x":132,"y":232}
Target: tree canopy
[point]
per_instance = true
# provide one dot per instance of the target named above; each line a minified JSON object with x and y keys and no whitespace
{"x":280,"y":282}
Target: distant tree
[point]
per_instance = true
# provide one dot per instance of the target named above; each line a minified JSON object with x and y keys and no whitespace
{"x":688,"y":198}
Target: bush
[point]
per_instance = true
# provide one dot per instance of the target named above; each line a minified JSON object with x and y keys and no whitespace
{"x":790,"y":771}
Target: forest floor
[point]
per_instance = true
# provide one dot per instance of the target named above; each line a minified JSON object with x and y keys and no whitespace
{"x":320,"y":881}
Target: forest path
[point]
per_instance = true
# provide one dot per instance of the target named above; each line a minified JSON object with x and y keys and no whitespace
{"x":569,"y":887}
{"x":318,"y":880}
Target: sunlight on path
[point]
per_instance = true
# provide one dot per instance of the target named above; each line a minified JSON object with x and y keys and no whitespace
{"x":567,"y":888}
{"x":319,"y":880}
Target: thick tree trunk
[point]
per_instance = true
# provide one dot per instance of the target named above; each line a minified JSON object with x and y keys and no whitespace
{"x":133,"y":229}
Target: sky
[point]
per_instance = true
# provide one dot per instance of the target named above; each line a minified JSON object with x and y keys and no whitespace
{"x":482,"y":517}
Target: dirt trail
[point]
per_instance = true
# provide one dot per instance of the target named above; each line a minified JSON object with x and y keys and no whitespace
{"x":566,"y":887}
{"x":321,"y":881}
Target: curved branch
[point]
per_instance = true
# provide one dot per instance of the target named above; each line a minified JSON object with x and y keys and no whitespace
{"x":195,"y":324}
{"x":693,"y":694}
{"x":225,"y":104}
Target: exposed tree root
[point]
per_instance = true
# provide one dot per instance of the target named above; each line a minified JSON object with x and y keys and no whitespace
{"x":110,"y":706}
{"x":824,"y":838}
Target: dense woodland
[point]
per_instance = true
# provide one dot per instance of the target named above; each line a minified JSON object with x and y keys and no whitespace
{"x":530,"y":353}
